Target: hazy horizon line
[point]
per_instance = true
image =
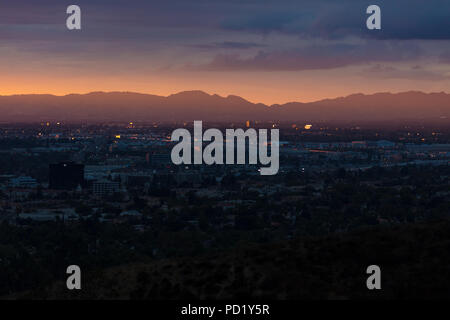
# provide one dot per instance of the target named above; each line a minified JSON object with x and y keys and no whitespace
{"x":221,"y":96}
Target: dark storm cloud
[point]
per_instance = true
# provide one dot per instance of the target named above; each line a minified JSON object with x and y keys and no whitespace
{"x":402,"y":19}
{"x":110,"y":27}
{"x":415,"y":72}
{"x":316,"y":57}
{"x":229,"y":45}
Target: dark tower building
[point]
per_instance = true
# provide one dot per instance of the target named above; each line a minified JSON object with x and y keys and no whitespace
{"x":66,"y":176}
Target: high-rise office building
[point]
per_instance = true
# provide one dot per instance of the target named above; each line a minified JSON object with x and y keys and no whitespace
{"x":66,"y":176}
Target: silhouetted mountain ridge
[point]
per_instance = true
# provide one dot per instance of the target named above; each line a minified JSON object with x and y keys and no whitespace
{"x":198,"y":105}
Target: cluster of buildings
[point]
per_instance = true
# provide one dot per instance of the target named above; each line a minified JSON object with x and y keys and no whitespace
{"x":118,"y":166}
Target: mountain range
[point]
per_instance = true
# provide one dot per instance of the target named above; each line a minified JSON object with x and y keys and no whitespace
{"x":198,"y":105}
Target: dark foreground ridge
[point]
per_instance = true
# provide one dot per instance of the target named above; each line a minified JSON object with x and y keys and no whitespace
{"x":414,"y":260}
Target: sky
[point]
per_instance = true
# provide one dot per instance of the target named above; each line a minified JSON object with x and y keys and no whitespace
{"x":269,"y":51}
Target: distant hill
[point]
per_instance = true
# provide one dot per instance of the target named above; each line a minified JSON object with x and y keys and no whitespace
{"x":198,"y":105}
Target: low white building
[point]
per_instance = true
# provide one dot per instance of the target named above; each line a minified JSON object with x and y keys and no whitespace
{"x":23,"y":182}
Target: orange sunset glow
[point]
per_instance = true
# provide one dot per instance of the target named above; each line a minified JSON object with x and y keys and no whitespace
{"x":248,"y":85}
{"x":257,"y":52}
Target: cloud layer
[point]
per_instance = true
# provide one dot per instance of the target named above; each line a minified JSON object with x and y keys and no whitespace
{"x":201,"y":42}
